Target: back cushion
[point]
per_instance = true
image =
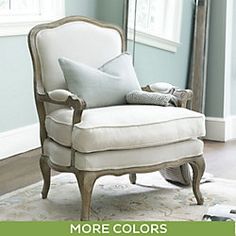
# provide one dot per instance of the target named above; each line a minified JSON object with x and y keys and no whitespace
{"x":80,"y":41}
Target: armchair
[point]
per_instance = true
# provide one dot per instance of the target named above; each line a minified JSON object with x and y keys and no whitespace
{"x":113,"y":140}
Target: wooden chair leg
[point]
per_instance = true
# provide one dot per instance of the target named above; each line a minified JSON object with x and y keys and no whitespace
{"x":198,"y":166}
{"x":86,"y":182}
{"x":46,"y":173}
{"x":132,"y":178}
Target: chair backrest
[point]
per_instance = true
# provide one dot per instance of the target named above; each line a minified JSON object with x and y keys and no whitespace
{"x":76,"y":38}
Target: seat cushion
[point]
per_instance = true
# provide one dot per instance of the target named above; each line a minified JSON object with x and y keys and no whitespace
{"x":124,"y":127}
{"x":118,"y":159}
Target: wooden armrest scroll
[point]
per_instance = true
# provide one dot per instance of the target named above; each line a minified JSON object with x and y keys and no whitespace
{"x":183,"y":96}
{"x":77,"y":103}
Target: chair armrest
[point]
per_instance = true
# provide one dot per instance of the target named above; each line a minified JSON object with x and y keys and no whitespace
{"x":66,"y":98}
{"x":182,"y":96}
{"x":59,"y":95}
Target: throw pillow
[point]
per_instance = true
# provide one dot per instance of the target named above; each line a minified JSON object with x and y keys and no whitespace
{"x":104,"y":86}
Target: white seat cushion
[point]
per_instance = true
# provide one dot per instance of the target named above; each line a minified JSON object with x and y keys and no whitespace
{"x":124,"y":127}
{"x":123,"y":158}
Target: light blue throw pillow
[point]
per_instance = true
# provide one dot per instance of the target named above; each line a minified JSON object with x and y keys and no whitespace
{"x":105,"y":86}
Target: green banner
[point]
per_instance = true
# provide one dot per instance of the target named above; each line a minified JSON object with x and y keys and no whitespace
{"x":119,"y":228}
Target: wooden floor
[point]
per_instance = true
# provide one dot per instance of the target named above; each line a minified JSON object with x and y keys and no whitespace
{"x":221,"y":159}
{"x":22,"y":170}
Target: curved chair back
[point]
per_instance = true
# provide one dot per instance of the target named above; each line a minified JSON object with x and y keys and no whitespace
{"x":77,"y":38}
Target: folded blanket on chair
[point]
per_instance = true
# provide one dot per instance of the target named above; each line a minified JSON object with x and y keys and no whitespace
{"x":155,"y":98}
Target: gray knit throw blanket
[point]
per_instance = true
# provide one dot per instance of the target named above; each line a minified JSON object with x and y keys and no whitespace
{"x":154,"y":98}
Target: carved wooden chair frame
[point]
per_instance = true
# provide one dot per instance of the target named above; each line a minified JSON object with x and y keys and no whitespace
{"x":86,"y":179}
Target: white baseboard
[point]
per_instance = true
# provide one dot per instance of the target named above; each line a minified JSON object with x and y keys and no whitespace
{"x":215,"y":129}
{"x":221,"y":129}
{"x":232,"y":127}
{"x":19,"y":140}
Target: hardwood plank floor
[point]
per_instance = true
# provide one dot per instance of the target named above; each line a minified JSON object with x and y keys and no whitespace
{"x":19,"y":171}
{"x":221,"y":159}
{"x":22,"y":170}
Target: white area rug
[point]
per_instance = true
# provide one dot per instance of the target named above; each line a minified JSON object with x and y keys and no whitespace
{"x":114,"y":198}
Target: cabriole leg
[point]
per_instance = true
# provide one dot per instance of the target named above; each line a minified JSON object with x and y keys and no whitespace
{"x":132,"y":178}
{"x":46,"y":173}
{"x":198,"y":166}
{"x":86,"y":182}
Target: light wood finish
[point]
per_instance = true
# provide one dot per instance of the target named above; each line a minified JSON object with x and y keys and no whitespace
{"x":198,"y":166}
{"x":46,"y":173}
{"x":87,"y":179}
{"x":198,"y":65}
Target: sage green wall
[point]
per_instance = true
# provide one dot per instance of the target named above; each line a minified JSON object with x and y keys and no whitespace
{"x":16,"y":90}
{"x":16,"y":97}
{"x":155,"y":65}
{"x":82,"y":7}
{"x":216,"y":65}
{"x":110,"y":11}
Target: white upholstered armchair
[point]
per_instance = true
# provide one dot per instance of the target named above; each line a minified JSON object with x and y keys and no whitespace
{"x":116,"y":140}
